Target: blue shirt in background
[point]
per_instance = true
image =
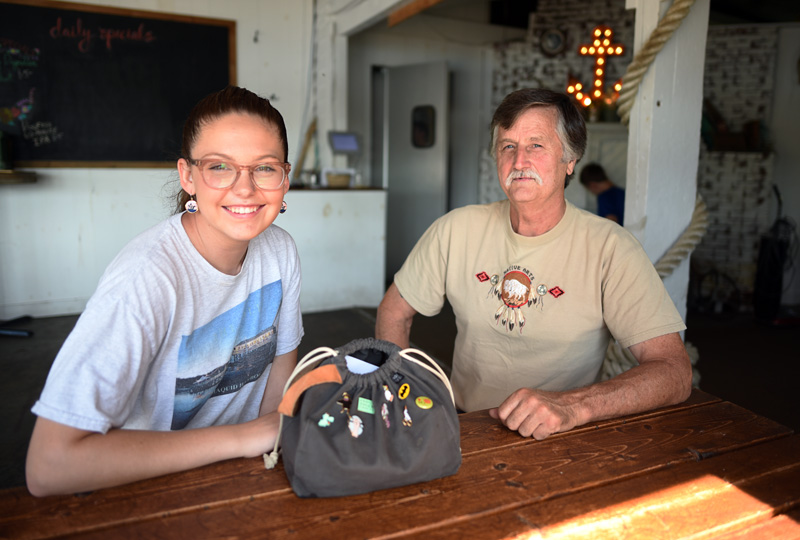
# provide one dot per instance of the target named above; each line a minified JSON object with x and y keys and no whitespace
{"x":612,"y":201}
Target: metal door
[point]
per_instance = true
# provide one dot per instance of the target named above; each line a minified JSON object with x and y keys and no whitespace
{"x":416,"y":155}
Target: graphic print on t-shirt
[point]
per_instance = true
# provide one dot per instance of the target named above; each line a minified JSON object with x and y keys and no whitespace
{"x":515,"y":290}
{"x":227,"y":353}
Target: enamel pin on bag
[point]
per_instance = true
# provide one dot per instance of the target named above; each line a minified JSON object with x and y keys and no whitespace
{"x":371,"y":416}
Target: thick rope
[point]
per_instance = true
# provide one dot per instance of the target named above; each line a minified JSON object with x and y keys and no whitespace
{"x":641,"y":62}
{"x":681,"y":249}
{"x":617,"y":359}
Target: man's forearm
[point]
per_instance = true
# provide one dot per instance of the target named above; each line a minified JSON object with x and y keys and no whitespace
{"x":394,"y":318}
{"x":394,"y":329}
{"x":663,"y":377}
{"x":644,"y":387}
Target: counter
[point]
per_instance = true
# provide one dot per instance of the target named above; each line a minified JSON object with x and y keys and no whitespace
{"x":341,"y":238}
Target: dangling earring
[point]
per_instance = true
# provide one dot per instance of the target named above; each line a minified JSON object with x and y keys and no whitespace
{"x":283,"y":207}
{"x":191,"y":205}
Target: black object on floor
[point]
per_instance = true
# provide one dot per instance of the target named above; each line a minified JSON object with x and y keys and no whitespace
{"x":7,"y":327}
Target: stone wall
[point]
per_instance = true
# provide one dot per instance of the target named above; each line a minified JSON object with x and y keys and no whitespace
{"x":740,"y":73}
{"x":738,"y":83}
{"x":736,"y":185}
{"x":521,"y":64}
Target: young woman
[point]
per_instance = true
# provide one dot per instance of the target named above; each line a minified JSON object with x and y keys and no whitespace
{"x":180,"y":357}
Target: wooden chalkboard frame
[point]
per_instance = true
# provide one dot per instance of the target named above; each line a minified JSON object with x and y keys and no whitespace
{"x":230,"y":68}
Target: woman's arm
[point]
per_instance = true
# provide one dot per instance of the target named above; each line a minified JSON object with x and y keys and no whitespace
{"x":63,"y":459}
{"x":282,"y":367}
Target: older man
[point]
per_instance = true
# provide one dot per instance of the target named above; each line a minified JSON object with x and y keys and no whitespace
{"x":539,"y":286}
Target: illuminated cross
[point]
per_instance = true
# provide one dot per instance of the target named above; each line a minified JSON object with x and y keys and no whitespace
{"x":601,"y":48}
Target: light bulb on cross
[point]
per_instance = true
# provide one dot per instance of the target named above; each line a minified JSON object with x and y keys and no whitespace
{"x":601,"y":48}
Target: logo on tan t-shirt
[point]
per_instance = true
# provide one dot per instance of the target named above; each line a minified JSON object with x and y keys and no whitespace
{"x":515,"y":291}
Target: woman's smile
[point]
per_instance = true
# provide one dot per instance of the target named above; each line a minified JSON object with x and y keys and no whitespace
{"x":243,"y":210}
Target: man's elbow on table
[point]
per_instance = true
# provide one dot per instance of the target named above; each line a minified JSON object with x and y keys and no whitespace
{"x":687,"y":381}
{"x":674,"y":382}
{"x":684,"y":367}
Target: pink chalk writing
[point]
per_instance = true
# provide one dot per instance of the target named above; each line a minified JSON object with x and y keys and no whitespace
{"x":76,"y":31}
{"x":108,"y":35}
{"x":84,"y":36}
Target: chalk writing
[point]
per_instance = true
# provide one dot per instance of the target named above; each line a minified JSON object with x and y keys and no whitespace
{"x":107,"y":36}
{"x":76,"y":31}
{"x":18,"y":111}
{"x":16,"y":61}
{"x":40,"y":133}
{"x":110,"y":34}
{"x":6,"y":43}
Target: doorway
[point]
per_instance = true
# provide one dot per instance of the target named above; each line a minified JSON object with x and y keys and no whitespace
{"x":410,"y":126}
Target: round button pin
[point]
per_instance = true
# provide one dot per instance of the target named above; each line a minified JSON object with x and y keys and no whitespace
{"x":424,"y":402}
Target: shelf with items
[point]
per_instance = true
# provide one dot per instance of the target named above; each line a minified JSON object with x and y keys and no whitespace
{"x":11,"y":176}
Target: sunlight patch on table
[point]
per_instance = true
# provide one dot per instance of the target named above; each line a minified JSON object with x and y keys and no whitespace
{"x":701,"y":504}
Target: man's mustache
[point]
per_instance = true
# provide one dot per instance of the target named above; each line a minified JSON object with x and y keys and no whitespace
{"x":523,"y":173}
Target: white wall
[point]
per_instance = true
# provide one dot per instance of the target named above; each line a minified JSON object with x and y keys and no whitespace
{"x":58,"y":234}
{"x":786,"y":141}
{"x":341,"y":240}
{"x":466,"y":47}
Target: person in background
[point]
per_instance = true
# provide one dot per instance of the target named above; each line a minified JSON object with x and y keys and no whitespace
{"x":538,"y":288}
{"x":610,"y":198}
{"x":180,"y":357}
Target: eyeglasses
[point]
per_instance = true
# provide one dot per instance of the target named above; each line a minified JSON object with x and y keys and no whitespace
{"x":218,"y":174}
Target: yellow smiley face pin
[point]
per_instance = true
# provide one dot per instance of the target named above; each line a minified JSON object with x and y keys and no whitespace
{"x":424,"y":402}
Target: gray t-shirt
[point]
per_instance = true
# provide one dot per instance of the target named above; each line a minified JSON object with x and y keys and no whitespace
{"x":169,"y":342}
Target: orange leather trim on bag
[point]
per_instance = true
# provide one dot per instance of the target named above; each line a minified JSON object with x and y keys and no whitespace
{"x":321,"y":375}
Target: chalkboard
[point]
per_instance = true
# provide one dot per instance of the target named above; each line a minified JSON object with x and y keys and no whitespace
{"x":85,"y":85}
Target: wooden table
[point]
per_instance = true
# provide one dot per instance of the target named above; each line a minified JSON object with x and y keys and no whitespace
{"x":703,"y":469}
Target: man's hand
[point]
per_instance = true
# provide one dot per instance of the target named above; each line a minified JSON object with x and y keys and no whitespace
{"x":663,"y":377}
{"x":536,"y":413}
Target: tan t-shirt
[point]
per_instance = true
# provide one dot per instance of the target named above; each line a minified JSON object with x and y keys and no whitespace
{"x":535,"y":312}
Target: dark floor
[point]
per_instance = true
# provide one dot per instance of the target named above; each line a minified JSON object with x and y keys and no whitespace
{"x":751,"y":364}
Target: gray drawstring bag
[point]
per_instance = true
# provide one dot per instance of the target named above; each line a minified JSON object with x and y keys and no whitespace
{"x":370,"y":416}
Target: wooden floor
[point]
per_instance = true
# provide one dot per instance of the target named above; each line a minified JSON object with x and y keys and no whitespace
{"x":753,"y":365}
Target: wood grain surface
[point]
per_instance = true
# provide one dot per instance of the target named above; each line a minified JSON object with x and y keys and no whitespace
{"x":702,"y":469}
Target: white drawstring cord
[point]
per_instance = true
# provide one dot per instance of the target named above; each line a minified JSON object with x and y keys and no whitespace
{"x":405,"y":353}
{"x":317,"y":355}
